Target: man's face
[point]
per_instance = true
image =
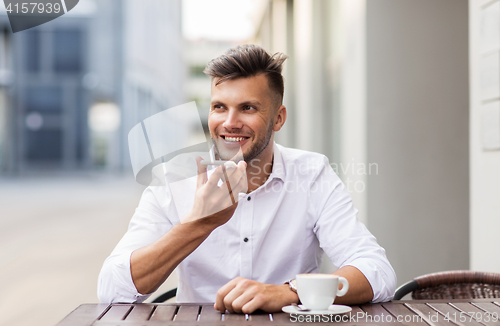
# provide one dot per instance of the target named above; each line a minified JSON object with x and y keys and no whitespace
{"x":242,"y":114}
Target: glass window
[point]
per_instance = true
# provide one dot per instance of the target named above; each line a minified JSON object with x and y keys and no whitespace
{"x":68,"y":51}
{"x":43,"y":98}
{"x":32,"y":50}
{"x":44,"y":145}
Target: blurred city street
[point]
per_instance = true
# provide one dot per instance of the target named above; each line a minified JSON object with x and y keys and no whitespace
{"x":55,"y":232}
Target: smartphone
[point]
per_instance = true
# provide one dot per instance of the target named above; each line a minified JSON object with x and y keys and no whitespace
{"x":216,"y":162}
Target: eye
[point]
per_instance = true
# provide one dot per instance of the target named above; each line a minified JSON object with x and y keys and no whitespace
{"x":217,"y":107}
{"x":248,"y":108}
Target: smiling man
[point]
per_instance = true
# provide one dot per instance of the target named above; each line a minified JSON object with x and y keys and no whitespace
{"x":291,"y":207}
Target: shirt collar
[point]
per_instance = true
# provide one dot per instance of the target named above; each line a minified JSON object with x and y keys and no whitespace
{"x":278,"y":164}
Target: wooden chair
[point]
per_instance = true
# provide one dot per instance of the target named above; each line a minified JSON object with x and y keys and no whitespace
{"x":452,"y":285}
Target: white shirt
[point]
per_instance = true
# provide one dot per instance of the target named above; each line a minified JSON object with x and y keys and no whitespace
{"x":277,"y":231}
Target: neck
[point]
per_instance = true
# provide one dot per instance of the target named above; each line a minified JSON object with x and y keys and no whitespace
{"x":260,"y":168}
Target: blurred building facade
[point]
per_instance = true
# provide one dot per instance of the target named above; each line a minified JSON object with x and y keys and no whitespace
{"x":154,"y":66}
{"x":484,"y":45}
{"x":381,"y":88}
{"x":5,"y":83}
{"x":108,"y":52}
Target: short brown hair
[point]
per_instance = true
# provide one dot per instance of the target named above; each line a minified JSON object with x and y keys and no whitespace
{"x":246,"y":61}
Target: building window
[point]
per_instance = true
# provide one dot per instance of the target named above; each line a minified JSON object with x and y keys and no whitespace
{"x":44,"y":145}
{"x":68,"y":51}
{"x":43,"y":98}
{"x":32,"y":51}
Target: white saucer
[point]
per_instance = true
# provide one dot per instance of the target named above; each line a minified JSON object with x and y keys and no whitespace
{"x":334,"y":309}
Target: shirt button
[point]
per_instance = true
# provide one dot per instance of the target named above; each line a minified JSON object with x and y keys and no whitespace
{"x":249,"y":198}
{"x":246,"y":239}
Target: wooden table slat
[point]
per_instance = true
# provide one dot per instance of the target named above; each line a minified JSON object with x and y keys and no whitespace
{"x":375,"y":310}
{"x":163,"y":313}
{"x":455,"y":315}
{"x":376,"y":313}
{"x":84,"y":315}
{"x":473,"y":310}
{"x":281,"y":317}
{"x":260,"y":318}
{"x":356,"y":310}
{"x":401,"y":311}
{"x":234,"y":317}
{"x":187,"y":313}
{"x":140,"y":312}
{"x":430,"y":315}
{"x":356,"y":313}
{"x":208,"y":313}
{"x":116,"y":313}
{"x":488,"y":306}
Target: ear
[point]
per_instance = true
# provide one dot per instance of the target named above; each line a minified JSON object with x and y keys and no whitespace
{"x":280,"y":118}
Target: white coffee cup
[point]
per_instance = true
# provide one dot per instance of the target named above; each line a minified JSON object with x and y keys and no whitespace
{"x":318,"y":291}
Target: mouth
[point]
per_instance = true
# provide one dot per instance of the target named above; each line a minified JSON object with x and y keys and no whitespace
{"x":234,"y":139}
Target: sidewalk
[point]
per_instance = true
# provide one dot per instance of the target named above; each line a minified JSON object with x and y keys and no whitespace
{"x":55,"y":232}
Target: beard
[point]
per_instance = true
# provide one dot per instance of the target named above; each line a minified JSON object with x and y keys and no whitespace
{"x":260,"y":144}
{"x":253,"y":152}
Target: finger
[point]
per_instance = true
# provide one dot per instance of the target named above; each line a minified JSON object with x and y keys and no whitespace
{"x":221,"y":294}
{"x":231,"y":298}
{"x":230,"y":165}
{"x":235,"y":169}
{"x":239,"y":303}
{"x":215,"y":177}
{"x":202,"y":172}
{"x":252,"y":305}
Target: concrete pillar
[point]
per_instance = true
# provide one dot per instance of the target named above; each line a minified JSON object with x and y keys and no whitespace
{"x":417,"y":133}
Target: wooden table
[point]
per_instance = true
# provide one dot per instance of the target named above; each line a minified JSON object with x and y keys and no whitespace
{"x":474,"y":312}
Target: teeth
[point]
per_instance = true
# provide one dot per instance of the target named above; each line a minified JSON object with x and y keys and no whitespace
{"x":235,"y":138}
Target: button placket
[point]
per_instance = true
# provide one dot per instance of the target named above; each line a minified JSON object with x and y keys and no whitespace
{"x":246,"y":234}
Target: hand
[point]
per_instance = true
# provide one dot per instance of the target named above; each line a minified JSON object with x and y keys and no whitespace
{"x":214,"y":203}
{"x":245,"y":296}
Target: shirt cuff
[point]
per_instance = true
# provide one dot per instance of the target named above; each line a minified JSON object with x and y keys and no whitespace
{"x":383,"y":285}
{"x":121,"y":287}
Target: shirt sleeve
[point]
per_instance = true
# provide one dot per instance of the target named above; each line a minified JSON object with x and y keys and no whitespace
{"x":345,"y":240}
{"x":147,"y":225}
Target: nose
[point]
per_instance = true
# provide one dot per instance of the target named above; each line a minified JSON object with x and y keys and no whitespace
{"x":232,"y":120}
